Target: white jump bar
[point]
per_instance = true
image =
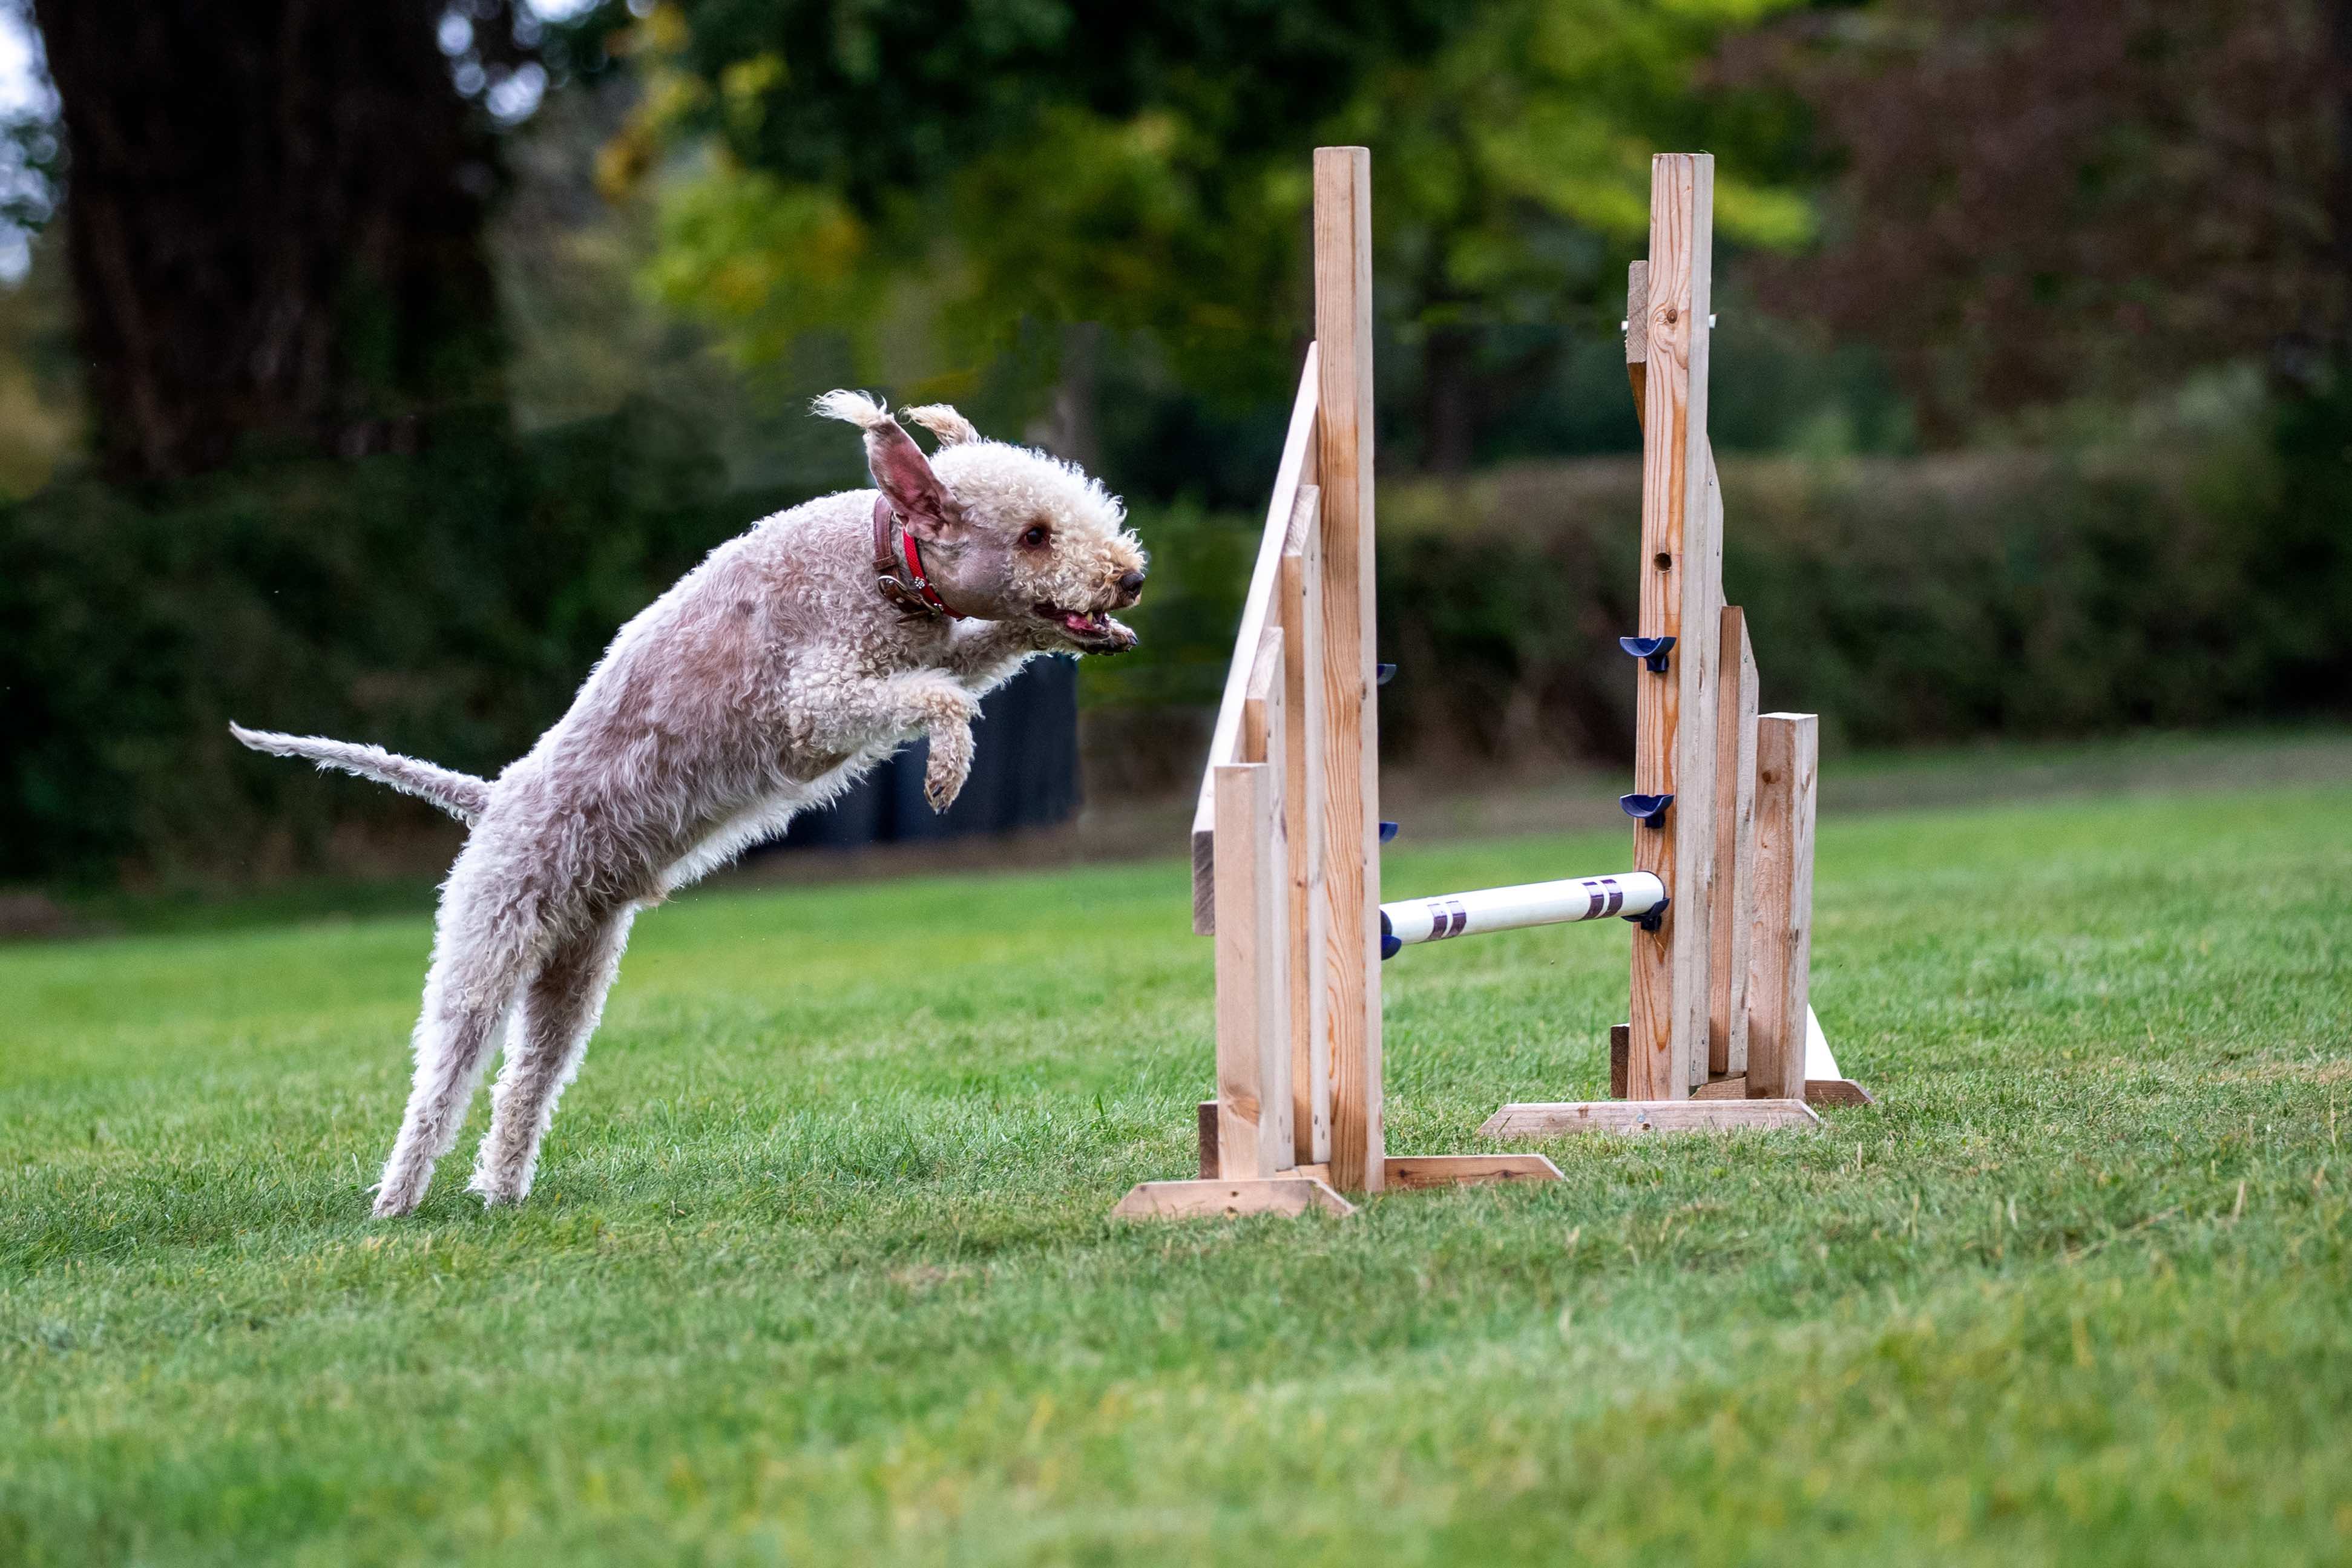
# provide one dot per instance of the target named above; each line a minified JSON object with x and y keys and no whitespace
{"x":1629,"y":894}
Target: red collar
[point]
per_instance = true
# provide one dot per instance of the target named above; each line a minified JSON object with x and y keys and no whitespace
{"x":916,"y":596}
{"x":912,"y":549}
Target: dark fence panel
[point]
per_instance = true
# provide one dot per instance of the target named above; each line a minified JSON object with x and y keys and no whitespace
{"x":1025,"y":773}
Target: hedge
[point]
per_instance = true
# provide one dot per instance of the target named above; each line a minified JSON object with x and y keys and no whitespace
{"x":2026,"y":594}
{"x":447,"y":603}
{"x":443,"y":604}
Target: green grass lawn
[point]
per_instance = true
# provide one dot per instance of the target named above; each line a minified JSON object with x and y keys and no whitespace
{"x":818,"y":1269}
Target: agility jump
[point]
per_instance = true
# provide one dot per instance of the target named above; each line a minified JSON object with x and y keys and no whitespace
{"x":1286,"y":835}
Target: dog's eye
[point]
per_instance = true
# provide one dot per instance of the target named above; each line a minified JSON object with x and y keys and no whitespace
{"x":1033,"y":534}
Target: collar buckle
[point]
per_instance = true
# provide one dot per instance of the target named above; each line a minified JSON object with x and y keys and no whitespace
{"x":893,"y":547}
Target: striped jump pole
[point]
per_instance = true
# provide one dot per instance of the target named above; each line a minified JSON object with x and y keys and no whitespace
{"x":1635,"y":896}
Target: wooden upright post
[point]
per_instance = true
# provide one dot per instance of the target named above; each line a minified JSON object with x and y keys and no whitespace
{"x":1682,"y":592}
{"x":1351,"y":791}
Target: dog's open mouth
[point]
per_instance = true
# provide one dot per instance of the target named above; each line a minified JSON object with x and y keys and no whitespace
{"x":1092,"y":630}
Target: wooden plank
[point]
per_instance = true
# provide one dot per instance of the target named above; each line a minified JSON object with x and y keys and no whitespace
{"x":1837,"y":1092}
{"x":1351,"y":872}
{"x":1787,"y":754}
{"x":1733,"y":1088}
{"x":1267,"y":739}
{"x":1229,"y":1199}
{"x":1204,"y":872}
{"x":1207,"y":1115}
{"x":1681,"y":593}
{"x":1732,"y":910}
{"x":1252,"y":1007}
{"x":1545,"y":1120}
{"x":1265,"y":722}
{"x":1301,"y":601}
{"x":1705,"y":555}
{"x":1290,"y":474}
{"x":1637,"y":333}
{"x":1464,"y":1170}
{"x":1620,"y":1037}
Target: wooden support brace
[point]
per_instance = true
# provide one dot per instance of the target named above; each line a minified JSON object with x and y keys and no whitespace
{"x":1547,"y":1121}
{"x":1230,"y":1199}
{"x":1466,"y":1170}
{"x":1637,"y":335}
{"x":1734,"y":904}
{"x":1787,"y":754}
{"x":1301,"y":599}
{"x":1227,"y":1198}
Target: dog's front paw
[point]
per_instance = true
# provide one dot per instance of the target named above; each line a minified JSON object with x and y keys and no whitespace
{"x":950,"y":765}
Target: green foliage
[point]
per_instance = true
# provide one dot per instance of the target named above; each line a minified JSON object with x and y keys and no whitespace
{"x":1014,"y":161}
{"x":1149,"y":172}
{"x":443,"y":604}
{"x":1201,"y":564}
{"x":1509,"y":163}
{"x":765,"y":262}
{"x":2016,"y":594}
{"x":1905,"y":600}
{"x":819,"y":1271}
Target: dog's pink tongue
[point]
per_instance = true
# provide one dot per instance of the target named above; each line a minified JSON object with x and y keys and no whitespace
{"x":1078,"y":622}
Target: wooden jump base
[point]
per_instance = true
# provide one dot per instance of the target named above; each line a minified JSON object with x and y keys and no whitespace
{"x":1286,"y":835}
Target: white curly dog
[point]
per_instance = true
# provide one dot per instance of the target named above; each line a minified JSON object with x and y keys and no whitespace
{"x":764,"y":683}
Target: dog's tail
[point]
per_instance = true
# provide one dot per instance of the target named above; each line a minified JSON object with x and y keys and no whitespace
{"x":461,"y":795}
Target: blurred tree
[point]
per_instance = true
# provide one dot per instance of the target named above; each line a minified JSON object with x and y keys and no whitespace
{"x":1144,"y":171}
{"x":1515,"y":182}
{"x":40,"y":389}
{"x":1001,"y":163}
{"x":273,"y":216}
{"x":2037,"y":201}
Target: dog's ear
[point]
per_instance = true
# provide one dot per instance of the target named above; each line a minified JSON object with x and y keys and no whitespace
{"x":942,"y":420}
{"x":899,"y":469}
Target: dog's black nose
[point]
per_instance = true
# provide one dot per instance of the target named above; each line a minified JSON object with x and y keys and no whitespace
{"x":1131,"y":585}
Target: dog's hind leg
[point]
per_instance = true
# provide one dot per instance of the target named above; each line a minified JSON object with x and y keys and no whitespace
{"x":487,"y":945}
{"x":560,"y":1011}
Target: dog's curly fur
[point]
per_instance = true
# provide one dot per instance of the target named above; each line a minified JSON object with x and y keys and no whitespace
{"x":763,"y":684}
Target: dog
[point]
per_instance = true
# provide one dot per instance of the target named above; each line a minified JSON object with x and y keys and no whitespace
{"x":764,"y":683}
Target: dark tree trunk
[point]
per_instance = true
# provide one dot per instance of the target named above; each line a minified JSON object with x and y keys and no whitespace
{"x":1449,"y":414}
{"x":2339,"y":188}
{"x":1071,"y":427}
{"x":274,"y":213}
